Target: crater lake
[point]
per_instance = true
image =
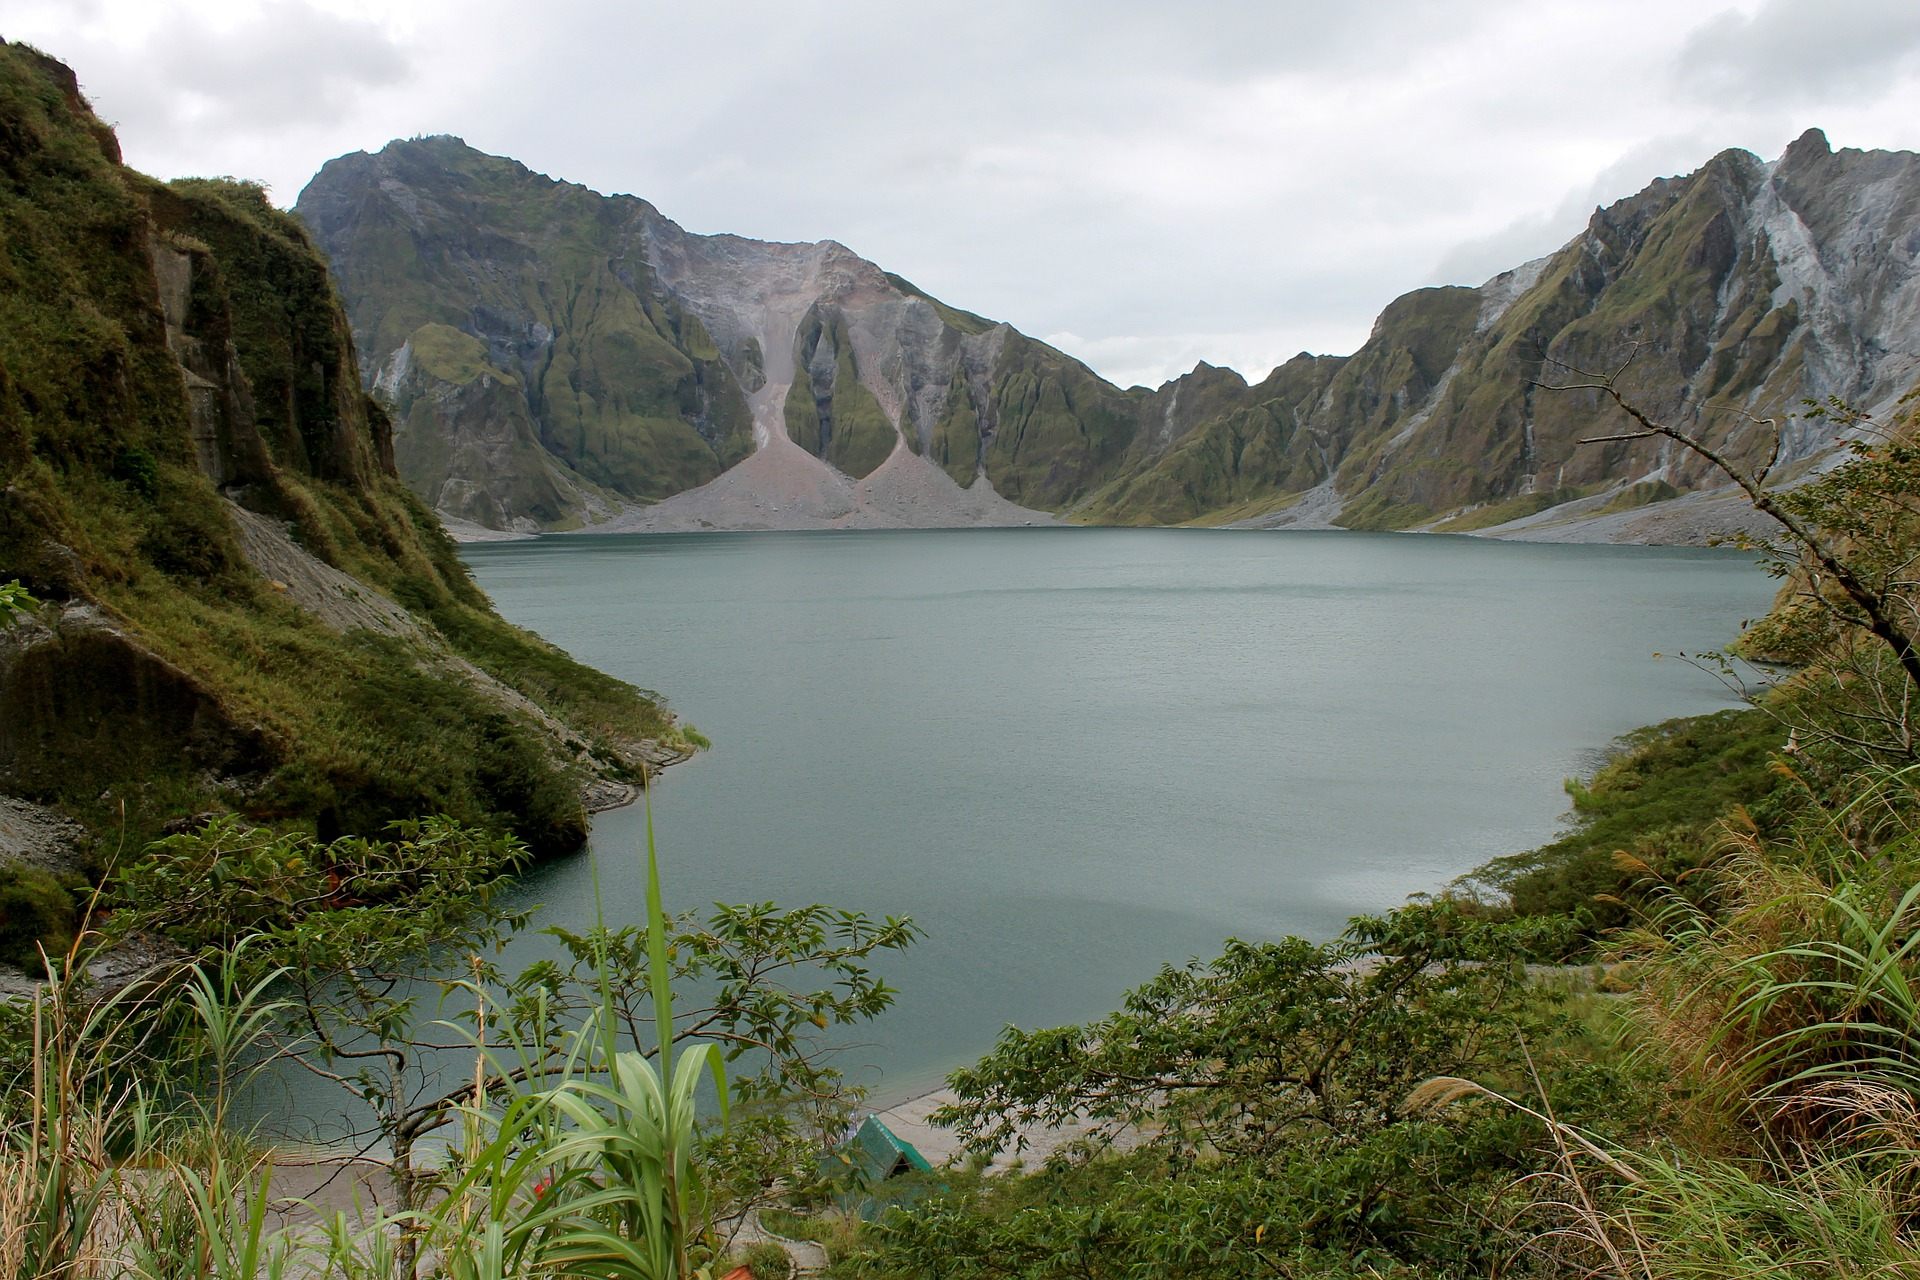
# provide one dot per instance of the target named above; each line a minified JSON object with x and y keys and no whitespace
{"x":1074,"y":755}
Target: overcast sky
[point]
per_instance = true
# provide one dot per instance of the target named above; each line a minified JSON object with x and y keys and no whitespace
{"x":1144,"y":185}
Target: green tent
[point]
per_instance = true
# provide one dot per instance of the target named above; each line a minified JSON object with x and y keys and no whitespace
{"x":875,"y":1153}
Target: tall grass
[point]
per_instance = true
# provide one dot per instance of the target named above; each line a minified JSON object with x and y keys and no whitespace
{"x":1784,"y":1005}
{"x":589,"y":1171}
{"x":593,"y":1173}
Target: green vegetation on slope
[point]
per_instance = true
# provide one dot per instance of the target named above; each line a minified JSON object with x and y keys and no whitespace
{"x":955,"y":447}
{"x":1655,"y":810}
{"x":862,"y":435}
{"x":451,"y":356}
{"x":829,"y":412}
{"x":608,"y":388}
{"x":1057,"y":426}
{"x":166,"y":352}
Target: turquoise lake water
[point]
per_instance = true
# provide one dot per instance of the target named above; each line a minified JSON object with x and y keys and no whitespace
{"x":1072,"y":755}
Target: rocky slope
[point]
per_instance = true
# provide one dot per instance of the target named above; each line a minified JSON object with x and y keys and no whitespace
{"x":243,"y":608}
{"x":558,"y":358}
{"x":553,"y":355}
{"x":1736,"y":291}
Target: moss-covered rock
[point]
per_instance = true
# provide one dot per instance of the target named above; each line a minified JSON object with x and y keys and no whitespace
{"x":37,"y":909}
{"x":829,"y":412}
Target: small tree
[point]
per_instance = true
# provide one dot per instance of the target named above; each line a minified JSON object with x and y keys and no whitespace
{"x":1245,"y":1117}
{"x":376,"y":937}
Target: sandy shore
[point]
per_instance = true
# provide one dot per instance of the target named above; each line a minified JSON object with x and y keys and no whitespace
{"x":910,"y":1120}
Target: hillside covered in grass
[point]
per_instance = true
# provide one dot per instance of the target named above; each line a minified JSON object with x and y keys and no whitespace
{"x":240,"y":605}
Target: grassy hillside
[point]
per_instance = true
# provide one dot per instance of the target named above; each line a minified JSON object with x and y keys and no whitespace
{"x":244,"y":608}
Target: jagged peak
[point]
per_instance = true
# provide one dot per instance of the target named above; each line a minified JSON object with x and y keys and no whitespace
{"x":1737,"y":161}
{"x":1810,"y":145}
{"x":448,"y":140}
{"x":1201,"y":369}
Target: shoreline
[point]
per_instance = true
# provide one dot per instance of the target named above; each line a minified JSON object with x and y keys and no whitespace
{"x":909,"y":1120}
{"x":1701,"y":518}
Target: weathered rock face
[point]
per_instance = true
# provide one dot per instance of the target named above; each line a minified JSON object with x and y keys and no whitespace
{"x":553,"y":354}
{"x":1735,"y":292}
{"x":589,"y":353}
{"x":244,"y":608}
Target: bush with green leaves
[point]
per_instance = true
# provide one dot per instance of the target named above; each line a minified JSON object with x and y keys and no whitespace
{"x":767,"y":1261}
{"x":575,"y":1145}
{"x":1246,"y":1116}
{"x":37,"y":909}
{"x":389,"y":949}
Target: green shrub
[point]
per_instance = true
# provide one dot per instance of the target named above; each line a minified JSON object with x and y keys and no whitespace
{"x":135,"y":468}
{"x":767,"y":1261}
{"x":1661,"y":800}
{"x":36,"y":909}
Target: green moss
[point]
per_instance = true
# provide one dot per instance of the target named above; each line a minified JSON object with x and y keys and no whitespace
{"x":452,"y":356}
{"x":862,"y":434}
{"x":1058,"y":430}
{"x":955,"y":446}
{"x":829,"y":413}
{"x":803,"y":414}
{"x":466,"y":757}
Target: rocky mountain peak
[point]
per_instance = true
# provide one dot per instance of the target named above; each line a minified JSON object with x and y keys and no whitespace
{"x":1806,"y":148}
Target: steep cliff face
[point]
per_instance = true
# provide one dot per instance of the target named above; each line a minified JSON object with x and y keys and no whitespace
{"x":595,"y":355}
{"x":1735,"y":294}
{"x":627,"y":360}
{"x":244,"y":607}
{"x":1729,"y":295}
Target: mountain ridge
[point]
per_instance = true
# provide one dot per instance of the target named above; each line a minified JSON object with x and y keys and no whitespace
{"x":1751,"y":283}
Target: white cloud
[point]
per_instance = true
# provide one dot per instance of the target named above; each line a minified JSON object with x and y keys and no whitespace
{"x":1792,"y":50}
{"x":1231,"y":181}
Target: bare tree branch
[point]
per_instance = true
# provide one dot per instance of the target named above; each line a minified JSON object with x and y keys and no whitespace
{"x":1874,"y":604}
